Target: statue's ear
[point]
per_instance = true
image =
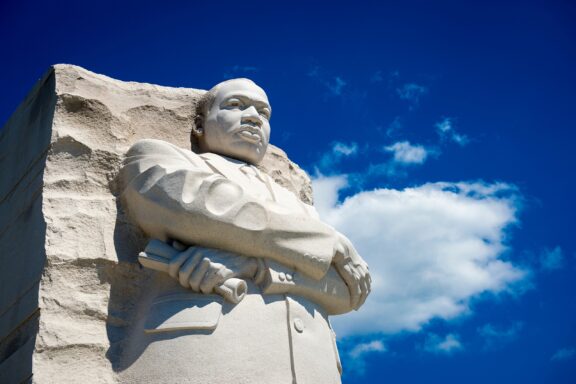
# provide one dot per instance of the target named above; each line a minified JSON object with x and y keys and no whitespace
{"x":198,"y":128}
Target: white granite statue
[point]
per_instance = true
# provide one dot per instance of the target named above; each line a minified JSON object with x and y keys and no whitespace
{"x":249,"y":274}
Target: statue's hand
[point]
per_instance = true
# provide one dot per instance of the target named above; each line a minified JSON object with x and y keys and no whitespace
{"x":353,"y":270}
{"x":202,"y":269}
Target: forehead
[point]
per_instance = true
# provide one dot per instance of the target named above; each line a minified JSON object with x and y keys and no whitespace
{"x":240,"y":88}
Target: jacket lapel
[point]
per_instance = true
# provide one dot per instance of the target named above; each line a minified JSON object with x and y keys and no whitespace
{"x":228,"y":168}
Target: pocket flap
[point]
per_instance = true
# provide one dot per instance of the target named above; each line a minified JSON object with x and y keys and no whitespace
{"x":184,"y":311}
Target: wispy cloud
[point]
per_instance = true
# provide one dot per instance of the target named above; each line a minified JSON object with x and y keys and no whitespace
{"x":394,"y":127}
{"x":412,"y":93}
{"x":345,"y":149}
{"x":406,"y":153}
{"x":552,"y":259}
{"x":363,"y":348}
{"x":330,"y":159}
{"x":240,"y":70}
{"x":431,"y":249}
{"x":447,"y":132}
{"x":404,"y":156}
{"x":357,"y":354}
{"x":564,"y":354}
{"x":442,"y":345}
{"x":497,"y":336}
{"x":334,"y":85}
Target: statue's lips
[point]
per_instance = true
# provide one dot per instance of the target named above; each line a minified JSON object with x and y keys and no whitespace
{"x":250,"y":133}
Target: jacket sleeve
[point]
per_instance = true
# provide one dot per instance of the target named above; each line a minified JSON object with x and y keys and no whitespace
{"x":173,"y":194}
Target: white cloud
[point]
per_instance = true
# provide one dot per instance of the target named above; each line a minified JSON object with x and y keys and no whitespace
{"x":345,"y":149}
{"x":356,"y":357}
{"x":337,"y":152}
{"x":326,"y":192}
{"x":551,"y":259}
{"x":497,"y":336}
{"x":446,"y":131}
{"x":446,"y":345}
{"x":431,"y":249}
{"x":363,"y":348}
{"x":406,"y":153}
{"x":564,"y":354}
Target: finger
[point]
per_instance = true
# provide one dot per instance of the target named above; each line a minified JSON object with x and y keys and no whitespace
{"x":352,"y":285}
{"x":347,"y":275}
{"x":368,"y":285}
{"x":369,"y":280}
{"x":214,"y":276}
{"x":360,"y":291}
{"x":364,"y":274}
{"x":176,"y":263}
{"x":365,"y":290}
{"x":198,"y":274}
{"x":186,"y":269}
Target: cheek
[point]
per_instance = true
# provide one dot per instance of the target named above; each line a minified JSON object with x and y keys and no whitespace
{"x":266,"y":131}
{"x":227,"y":119}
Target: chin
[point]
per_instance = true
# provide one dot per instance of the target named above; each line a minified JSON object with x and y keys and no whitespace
{"x":251,"y":153}
{"x":252,"y":156}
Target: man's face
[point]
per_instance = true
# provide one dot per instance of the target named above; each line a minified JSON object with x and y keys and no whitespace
{"x":237,"y":125}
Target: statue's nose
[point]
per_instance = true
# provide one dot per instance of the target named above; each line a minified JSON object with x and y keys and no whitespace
{"x":251,"y":115}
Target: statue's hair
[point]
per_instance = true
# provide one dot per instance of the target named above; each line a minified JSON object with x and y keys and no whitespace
{"x":203,"y":105}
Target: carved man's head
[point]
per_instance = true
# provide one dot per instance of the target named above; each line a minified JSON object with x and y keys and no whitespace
{"x":233,"y":119}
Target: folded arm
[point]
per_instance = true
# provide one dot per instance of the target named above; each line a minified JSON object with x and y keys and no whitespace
{"x":173,"y":194}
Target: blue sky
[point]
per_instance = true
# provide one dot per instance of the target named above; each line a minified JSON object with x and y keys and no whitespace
{"x":440,"y":136}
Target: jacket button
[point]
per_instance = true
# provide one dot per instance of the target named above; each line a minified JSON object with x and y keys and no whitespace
{"x":299,"y":325}
{"x":281,"y":276}
{"x":288,"y":277}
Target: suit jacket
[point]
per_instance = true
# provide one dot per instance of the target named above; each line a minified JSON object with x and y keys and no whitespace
{"x":207,"y":200}
{"x":212,"y":201}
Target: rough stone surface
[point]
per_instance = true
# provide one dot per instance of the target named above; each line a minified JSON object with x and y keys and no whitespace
{"x":71,"y":133}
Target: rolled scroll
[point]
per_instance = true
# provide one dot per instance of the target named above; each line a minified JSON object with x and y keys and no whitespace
{"x":158,"y":254}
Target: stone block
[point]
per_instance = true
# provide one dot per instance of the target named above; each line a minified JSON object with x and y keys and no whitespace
{"x":65,"y":246}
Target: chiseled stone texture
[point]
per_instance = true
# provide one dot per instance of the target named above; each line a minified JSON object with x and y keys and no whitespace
{"x":70,"y":134}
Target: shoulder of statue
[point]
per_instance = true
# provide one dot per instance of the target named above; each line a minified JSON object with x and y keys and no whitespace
{"x":154,"y":147}
{"x":149,"y":152}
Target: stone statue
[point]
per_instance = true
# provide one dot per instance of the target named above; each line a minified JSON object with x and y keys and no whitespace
{"x":249,"y":272}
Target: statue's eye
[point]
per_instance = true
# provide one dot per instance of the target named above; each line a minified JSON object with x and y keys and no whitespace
{"x":265,"y":113}
{"x":233,"y":103}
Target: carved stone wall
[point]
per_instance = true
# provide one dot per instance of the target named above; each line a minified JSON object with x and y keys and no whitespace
{"x":64,"y":245}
